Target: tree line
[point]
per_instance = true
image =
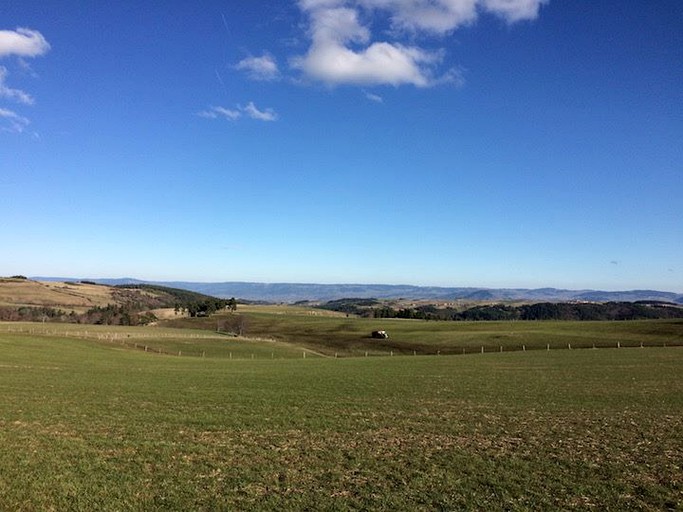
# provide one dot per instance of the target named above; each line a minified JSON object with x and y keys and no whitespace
{"x":206,"y":307}
{"x":111,"y":314}
{"x":500,"y":312}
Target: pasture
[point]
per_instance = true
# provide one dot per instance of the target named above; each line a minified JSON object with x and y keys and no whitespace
{"x":90,"y":423}
{"x":334,"y":333}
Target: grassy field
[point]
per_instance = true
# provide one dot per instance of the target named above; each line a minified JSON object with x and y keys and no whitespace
{"x":166,"y":341}
{"x":88,"y":423}
{"x":337,"y":334}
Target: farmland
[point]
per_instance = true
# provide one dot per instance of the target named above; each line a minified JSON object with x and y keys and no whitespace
{"x":335,"y":334}
{"x":91,"y":420}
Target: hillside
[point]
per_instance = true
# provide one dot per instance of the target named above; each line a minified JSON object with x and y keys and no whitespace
{"x":89,"y":302}
{"x":75,"y":296}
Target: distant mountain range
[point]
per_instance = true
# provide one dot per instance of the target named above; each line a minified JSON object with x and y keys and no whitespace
{"x":295,"y":292}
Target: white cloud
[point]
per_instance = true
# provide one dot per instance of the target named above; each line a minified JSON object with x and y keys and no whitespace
{"x":373,"y":97}
{"x":330,"y":58}
{"x":442,"y":16}
{"x":12,"y":122}
{"x":317,"y":4}
{"x":438,"y":16}
{"x":23,"y":42}
{"x":216,"y":112}
{"x":13,"y":94}
{"x":342,"y":49}
{"x":261,"y":115}
{"x":233,"y":114}
{"x":515,"y":10}
{"x":337,"y":24}
{"x":260,"y":68}
{"x":379,"y":63}
{"x":20,"y":43}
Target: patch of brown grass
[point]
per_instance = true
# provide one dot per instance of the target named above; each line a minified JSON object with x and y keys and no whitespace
{"x":76,"y":296}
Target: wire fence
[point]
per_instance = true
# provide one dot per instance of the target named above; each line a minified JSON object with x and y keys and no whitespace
{"x":145,"y":342}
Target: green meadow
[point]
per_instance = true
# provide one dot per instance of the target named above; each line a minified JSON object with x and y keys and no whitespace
{"x":94,"y":422}
{"x":350,"y":336}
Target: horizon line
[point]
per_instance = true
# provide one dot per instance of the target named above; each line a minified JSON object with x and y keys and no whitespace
{"x":58,"y":278}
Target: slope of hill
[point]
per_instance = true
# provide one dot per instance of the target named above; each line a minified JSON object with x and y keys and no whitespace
{"x":81,"y":296}
{"x":71,"y":295}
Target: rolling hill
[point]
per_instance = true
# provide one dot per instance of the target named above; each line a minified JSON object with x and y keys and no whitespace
{"x":83,"y":295}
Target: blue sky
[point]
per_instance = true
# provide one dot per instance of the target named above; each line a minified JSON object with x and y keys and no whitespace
{"x":499,"y":143}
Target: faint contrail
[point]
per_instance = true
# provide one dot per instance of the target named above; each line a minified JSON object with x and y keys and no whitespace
{"x":225,"y":23}
{"x":220,"y":80}
{"x":218,"y":75}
